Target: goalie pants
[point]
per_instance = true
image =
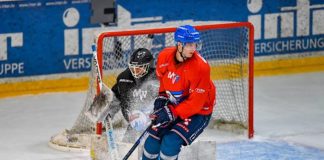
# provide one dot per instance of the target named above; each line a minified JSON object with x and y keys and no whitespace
{"x":165,"y":143}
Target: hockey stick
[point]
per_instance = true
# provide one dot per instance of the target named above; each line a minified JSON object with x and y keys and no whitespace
{"x":149,"y":41}
{"x":138,"y":141}
{"x":112,"y":147}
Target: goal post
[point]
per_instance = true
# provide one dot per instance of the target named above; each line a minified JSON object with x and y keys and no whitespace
{"x":228,"y":48}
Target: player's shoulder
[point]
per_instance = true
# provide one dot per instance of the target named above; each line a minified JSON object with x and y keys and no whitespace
{"x":167,"y":52}
{"x":125,"y":76}
{"x":165,"y":57}
{"x":199,"y":63}
{"x":198,"y":59}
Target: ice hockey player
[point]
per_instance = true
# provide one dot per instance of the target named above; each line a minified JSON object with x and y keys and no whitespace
{"x":133,"y":88}
{"x":186,"y":97}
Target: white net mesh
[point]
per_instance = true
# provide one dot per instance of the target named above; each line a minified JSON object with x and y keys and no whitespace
{"x":78,"y":138}
{"x":226,"y":50}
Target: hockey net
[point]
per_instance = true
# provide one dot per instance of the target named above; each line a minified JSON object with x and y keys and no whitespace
{"x":228,"y":48}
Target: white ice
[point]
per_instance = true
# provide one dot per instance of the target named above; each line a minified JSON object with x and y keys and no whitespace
{"x":287,"y":109}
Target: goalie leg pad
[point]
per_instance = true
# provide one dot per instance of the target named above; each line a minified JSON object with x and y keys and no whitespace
{"x":151,"y":148}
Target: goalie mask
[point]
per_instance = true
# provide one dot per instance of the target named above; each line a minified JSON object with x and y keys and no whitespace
{"x":140,"y":62}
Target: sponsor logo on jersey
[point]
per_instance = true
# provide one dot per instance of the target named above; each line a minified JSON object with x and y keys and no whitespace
{"x":139,"y":93}
{"x":205,"y":108}
{"x":174,"y":77}
{"x":170,"y":115}
{"x":163,"y":65}
{"x":200,"y":90}
{"x":187,"y":121}
{"x":184,"y":127}
{"x":126,"y":80}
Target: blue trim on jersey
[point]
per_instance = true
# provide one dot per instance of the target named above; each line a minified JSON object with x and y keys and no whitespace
{"x":176,"y":92}
{"x":177,"y":95}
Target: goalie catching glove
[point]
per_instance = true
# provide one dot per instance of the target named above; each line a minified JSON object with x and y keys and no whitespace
{"x":138,"y":120}
{"x":163,"y":116}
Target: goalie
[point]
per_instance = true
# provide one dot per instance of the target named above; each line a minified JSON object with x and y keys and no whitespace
{"x":133,"y":89}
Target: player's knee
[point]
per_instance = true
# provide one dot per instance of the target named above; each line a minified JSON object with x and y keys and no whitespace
{"x":151,"y":148}
{"x":170,"y":146}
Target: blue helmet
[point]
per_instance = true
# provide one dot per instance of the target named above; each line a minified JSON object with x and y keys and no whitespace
{"x":186,"y":34}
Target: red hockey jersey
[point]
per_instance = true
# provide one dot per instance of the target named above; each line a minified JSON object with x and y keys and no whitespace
{"x":188,"y":82}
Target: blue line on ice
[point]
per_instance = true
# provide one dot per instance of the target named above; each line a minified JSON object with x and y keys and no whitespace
{"x":266,"y":150}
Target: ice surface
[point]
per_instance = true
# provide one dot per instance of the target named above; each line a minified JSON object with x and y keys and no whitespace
{"x":289,"y":118}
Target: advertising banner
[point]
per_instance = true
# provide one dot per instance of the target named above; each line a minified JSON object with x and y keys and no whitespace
{"x":50,"y":37}
{"x":45,"y":37}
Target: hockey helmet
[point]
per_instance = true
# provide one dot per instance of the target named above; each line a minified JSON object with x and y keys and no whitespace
{"x":186,"y":34}
{"x":140,"y":62}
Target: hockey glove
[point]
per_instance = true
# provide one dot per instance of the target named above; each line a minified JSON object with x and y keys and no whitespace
{"x":98,"y":107}
{"x":162,"y":117}
{"x":138,"y":120}
{"x":160,"y":101}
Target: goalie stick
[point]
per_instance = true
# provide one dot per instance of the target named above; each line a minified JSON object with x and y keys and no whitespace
{"x":149,"y":41}
{"x":112,"y":146}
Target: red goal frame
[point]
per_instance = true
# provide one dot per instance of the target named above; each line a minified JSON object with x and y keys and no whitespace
{"x":200,"y":28}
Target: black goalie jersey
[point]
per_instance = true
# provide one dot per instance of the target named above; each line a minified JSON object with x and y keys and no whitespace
{"x":134,"y":93}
